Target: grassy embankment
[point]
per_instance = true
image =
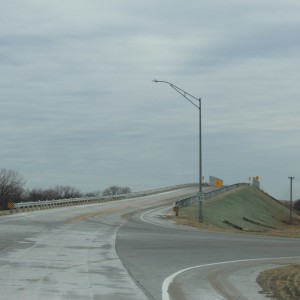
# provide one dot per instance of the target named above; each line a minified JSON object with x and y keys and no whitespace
{"x":245,"y":209}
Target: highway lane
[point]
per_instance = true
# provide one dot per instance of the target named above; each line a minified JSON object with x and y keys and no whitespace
{"x":176,"y":262}
{"x":69,"y":253}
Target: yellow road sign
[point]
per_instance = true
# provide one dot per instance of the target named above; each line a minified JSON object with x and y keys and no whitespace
{"x":219,"y":183}
{"x":10,"y":204}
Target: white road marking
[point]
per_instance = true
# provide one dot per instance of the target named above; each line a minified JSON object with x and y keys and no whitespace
{"x":170,"y":279}
{"x":152,"y":223}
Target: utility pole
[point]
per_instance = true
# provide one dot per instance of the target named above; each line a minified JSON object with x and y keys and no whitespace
{"x":291,"y":197}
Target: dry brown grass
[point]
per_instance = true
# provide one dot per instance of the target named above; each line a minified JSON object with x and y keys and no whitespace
{"x":282,"y":283}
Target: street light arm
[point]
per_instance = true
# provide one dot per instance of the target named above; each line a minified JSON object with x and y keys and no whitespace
{"x":186,"y":96}
{"x":182,"y":93}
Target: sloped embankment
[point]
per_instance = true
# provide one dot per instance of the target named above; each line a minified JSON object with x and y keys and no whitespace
{"x":245,"y":209}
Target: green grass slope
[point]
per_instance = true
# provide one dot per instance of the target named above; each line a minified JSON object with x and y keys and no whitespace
{"x":245,"y":208}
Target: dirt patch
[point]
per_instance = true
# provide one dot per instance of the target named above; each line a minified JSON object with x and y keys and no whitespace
{"x":281,"y":283}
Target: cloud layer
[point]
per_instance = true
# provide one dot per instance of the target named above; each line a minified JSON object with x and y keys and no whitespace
{"x":79,"y":106}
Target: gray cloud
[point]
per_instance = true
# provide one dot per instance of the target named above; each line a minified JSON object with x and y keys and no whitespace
{"x":79,"y":108}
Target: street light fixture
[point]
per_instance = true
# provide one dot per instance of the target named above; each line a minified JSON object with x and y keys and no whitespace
{"x":197,"y":103}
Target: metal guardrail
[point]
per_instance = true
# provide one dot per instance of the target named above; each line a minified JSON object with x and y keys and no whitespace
{"x":195,"y":198}
{"x":26,"y":206}
{"x":38,"y":205}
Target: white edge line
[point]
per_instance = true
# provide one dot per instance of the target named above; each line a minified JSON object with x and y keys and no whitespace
{"x":152,"y":223}
{"x":169,"y":279}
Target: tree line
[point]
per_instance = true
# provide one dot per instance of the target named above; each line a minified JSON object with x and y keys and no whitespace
{"x":12,"y":187}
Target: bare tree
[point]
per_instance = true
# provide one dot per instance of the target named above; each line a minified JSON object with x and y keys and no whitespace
{"x":93,"y":194}
{"x":58,"y":192}
{"x":124,"y":190}
{"x":41,"y":194}
{"x":297,"y":204}
{"x":112,"y":190}
{"x":11,"y":185}
{"x":66,"y":192}
{"x":34,"y":195}
{"x":116,"y":190}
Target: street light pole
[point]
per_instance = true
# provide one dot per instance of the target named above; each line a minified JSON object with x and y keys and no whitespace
{"x":192,"y":100}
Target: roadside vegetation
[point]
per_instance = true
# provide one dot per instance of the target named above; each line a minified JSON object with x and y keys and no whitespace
{"x":243,"y":210}
{"x":13,"y":187}
{"x":281,"y":283}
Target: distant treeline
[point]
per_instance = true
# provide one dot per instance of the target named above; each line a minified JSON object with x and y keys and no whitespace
{"x":12,"y":187}
{"x":67,"y":192}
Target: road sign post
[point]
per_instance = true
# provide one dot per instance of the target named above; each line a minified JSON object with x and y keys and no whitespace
{"x":200,"y":198}
{"x":176,"y":210}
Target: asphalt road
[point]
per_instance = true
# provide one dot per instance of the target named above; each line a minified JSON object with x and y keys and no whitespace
{"x":69,"y":253}
{"x":127,"y":250}
{"x":176,"y":262}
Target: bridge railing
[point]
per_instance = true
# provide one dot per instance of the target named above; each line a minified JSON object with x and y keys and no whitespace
{"x":38,"y":205}
{"x":207,"y":195}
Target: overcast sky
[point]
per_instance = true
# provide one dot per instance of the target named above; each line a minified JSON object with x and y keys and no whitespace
{"x":79,"y":108}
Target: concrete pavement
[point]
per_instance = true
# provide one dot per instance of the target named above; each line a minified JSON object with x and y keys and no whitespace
{"x":69,"y":253}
